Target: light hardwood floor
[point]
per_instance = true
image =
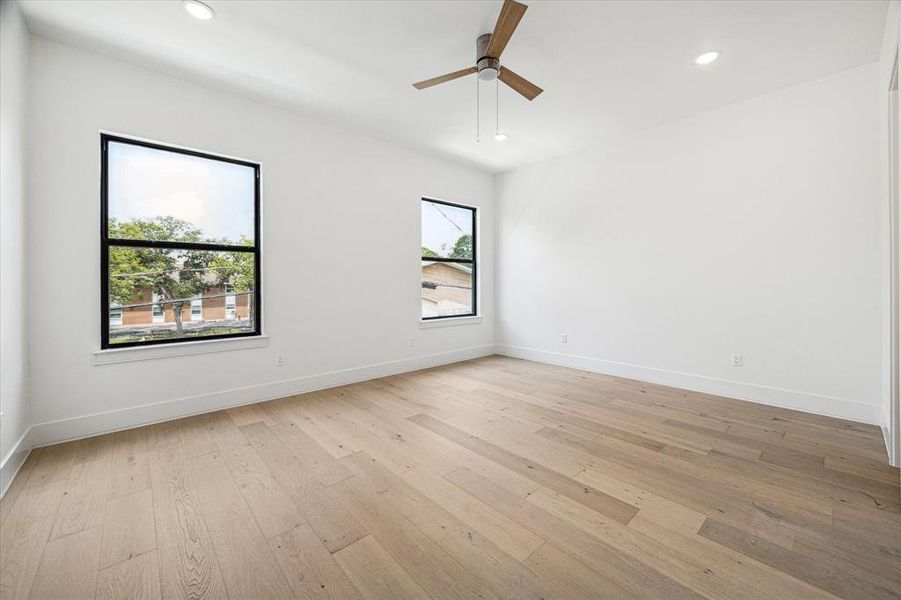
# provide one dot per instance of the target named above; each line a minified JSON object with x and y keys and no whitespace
{"x":495,"y":478}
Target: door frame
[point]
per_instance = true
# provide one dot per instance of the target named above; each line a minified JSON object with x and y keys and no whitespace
{"x":894,"y":172}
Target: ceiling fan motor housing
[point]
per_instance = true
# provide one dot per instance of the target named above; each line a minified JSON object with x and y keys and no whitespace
{"x":487,"y":66}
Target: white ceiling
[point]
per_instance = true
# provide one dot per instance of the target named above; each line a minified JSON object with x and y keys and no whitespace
{"x":608,"y":68}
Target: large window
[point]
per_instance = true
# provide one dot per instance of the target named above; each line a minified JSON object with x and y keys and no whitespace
{"x":448,"y":260}
{"x":180,"y":238}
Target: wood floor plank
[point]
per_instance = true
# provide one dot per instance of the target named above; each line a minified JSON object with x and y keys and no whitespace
{"x":312,"y":456}
{"x":54,"y":464}
{"x":866,"y":469}
{"x":880,"y":567}
{"x":129,"y":528}
{"x":376,"y":573}
{"x":742,"y":476}
{"x":188,"y":565}
{"x":750,"y":576}
{"x":195,"y":436}
{"x":84,"y":502}
{"x":600,"y":501}
{"x":438,"y":403}
{"x":162,"y":434}
{"x":696,"y":566}
{"x":373,"y":392}
{"x":413,"y":550}
{"x":520,"y":442}
{"x":500,"y":574}
{"x":131,"y":462}
{"x":249,"y":569}
{"x":511,"y":537}
{"x":368,"y":434}
{"x":312,"y":572}
{"x":572,"y":578}
{"x":69,"y":567}
{"x":831,"y":577}
{"x":651,"y":507}
{"x":331,"y":436}
{"x":335,"y":525}
{"x":441,"y":455}
{"x":245,"y":415}
{"x":607,"y":561}
{"x":273,"y":510}
{"x":738,"y":491}
{"x":23,"y":536}
{"x":135,"y":579}
{"x":884,"y":531}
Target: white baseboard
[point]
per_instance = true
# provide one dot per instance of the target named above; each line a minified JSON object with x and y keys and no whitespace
{"x":887,"y":438}
{"x":761,"y":394}
{"x":51,"y":432}
{"x":13,"y":461}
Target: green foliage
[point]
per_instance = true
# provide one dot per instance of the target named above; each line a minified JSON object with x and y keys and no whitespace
{"x":429,"y":253}
{"x":235,"y":268}
{"x":158,"y":229}
{"x":463,"y":247}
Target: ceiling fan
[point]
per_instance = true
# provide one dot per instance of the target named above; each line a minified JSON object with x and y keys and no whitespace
{"x":488,"y":55}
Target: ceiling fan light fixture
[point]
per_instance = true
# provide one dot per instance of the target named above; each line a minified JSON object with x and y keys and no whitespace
{"x":488,"y":74}
{"x":199,"y":10}
{"x":707,"y":57}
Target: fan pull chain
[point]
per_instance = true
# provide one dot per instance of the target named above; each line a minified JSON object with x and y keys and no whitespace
{"x":497,"y":106}
{"x":478,"y":111}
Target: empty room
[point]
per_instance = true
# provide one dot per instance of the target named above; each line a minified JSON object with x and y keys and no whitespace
{"x":496,"y":299}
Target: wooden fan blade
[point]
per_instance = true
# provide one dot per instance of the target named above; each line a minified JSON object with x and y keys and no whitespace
{"x":511,"y":15}
{"x":449,"y":77}
{"x":519,"y":84}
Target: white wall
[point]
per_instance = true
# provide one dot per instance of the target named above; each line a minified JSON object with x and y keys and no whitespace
{"x":340,"y":231}
{"x":13,"y":306}
{"x":751,"y":229}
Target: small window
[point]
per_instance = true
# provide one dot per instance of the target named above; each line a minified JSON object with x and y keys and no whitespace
{"x":157,"y":309}
{"x":448,"y":260}
{"x":230,"y":302}
{"x":197,"y":309}
{"x":178,"y":229}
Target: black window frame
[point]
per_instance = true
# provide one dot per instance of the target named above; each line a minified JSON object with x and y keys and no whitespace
{"x":474,"y":308}
{"x":106,"y":243}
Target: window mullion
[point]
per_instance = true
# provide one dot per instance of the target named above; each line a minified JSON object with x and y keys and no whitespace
{"x":175,"y":245}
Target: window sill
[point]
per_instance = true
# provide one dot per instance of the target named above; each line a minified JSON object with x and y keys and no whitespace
{"x":449,"y":322}
{"x":113,"y":356}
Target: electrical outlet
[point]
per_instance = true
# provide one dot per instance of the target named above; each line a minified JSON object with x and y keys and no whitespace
{"x":738,"y":360}
{"x":279,"y":360}
{"x":563,"y":338}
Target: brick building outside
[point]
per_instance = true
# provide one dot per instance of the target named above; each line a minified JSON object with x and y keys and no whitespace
{"x":446,"y":289}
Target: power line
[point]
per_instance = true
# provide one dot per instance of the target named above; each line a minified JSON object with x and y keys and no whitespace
{"x":448,"y":218}
{"x":170,"y":271}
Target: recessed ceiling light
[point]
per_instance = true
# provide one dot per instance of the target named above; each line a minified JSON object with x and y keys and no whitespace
{"x":500,"y":137}
{"x":707,"y":58}
{"x":199,"y":10}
